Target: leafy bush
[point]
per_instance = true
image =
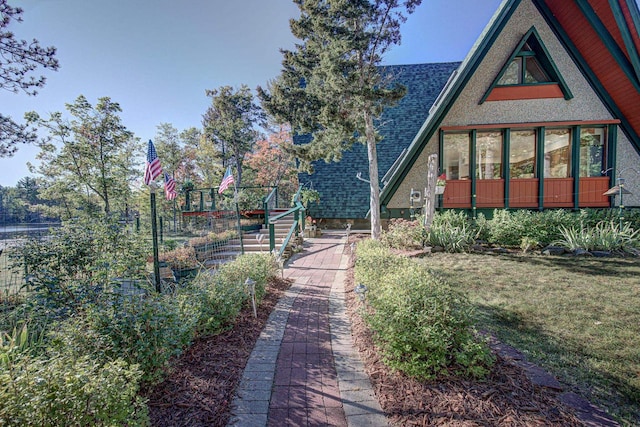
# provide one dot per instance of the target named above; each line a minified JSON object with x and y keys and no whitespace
{"x":508,"y":228}
{"x":605,"y":236}
{"x":452,"y":238}
{"x":218,"y":303}
{"x":591,"y":217}
{"x":213,"y":238}
{"x":180,"y":258}
{"x":452,"y":218}
{"x":421,"y":324}
{"x":84,"y":249}
{"x":144,"y":330}
{"x":403,"y":234}
{"x":259,"y":267}
{"x":70,"y":391}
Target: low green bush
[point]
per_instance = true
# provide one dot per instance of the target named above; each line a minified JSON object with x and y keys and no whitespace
{"x":421,"y":324}
{"x":259,"y":267}
{"x":591,"y":217}
{"x":70,"y":391}
{"x":604,"y":236}
{"x":404,"y":234}
{"x":452,"y":238}
{"x":218,"y":303}
{"x":144,"y":330}
{"x":508,"y":228}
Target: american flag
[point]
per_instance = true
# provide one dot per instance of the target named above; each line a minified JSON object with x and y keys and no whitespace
{"x":227,"y":180}
{"x":154,"y":168}
{"x":169,"y":187}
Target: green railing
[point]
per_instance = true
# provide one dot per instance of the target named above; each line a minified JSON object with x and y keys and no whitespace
{"x":297,"y":211}
{"x":270,"y":202}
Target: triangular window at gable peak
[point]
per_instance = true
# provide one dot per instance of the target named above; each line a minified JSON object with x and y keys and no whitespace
{"x":529,"y":73}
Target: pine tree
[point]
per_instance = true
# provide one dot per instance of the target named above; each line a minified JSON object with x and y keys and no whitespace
{"x":331,"y":85}
{"x":18,"y":59}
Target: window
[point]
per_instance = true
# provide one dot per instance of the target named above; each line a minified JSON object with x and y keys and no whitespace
{"x":524,"y":68}
{"x":522,"y":154}
{"x":528,"y":73}
{"x":557,"y":153}
{"x":489,"y":155}
{"x":592,"y":146}
{"x":456,"y":155}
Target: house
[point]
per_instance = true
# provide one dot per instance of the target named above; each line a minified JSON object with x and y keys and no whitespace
{"x":342,"y":194}
{"x":544,"y":112}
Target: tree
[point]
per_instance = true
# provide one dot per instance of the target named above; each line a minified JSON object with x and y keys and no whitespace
{"x":331,"y":85}
{"x":229,"y":122}
{"x":18,"y":58}
{"x":95,"y":164}
{"x":167,"y":143}
{"x":273,"y":163}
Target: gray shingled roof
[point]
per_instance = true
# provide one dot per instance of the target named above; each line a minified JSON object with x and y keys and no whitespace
{"x":342,"y":195}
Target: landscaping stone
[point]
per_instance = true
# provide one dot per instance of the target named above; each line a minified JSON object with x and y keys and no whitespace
{"x":582,"y":253}
{"x":553,"y":250}
{"x":588,"y":413}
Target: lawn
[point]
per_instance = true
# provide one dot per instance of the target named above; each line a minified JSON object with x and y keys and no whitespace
{"x":577,"y":317}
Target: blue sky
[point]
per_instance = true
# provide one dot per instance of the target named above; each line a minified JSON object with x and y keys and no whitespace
{"x":157,"y":57}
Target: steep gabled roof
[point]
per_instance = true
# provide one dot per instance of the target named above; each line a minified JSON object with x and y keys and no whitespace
{"x":449,"y":93}
{"x":602,"y":37}
{"x":342,"y":195}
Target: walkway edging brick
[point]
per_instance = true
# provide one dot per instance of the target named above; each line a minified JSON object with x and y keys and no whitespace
{"x":358,"y":399}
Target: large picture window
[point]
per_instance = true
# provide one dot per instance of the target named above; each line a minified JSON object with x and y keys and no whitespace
{"x":489,"y":155}
{"x":522,"y":154}
{"x":456,"y":155}
{"x":557,"y":153}
{"x":592,"y":149}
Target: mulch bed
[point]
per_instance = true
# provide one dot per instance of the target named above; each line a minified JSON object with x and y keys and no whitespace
{"x":199,"y":388}
{"x":505,"y":398}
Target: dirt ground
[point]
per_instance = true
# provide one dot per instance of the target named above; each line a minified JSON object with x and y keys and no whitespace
{"x":200,"y":385}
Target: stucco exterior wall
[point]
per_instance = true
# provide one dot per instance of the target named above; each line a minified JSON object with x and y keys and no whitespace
{"x":466,"y":111}
{"x":628,"y":167}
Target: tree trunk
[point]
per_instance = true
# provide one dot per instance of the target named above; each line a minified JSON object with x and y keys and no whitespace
{"x":374,"y":202}
{"x":430,"y":191}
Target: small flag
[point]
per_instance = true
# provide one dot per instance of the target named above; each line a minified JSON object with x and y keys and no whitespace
{"x":169,"y":187}
{"x":227,"y":180}
{"x":154,"y":168}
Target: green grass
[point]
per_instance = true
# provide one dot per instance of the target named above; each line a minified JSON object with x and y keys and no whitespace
{"x":577,"y":317}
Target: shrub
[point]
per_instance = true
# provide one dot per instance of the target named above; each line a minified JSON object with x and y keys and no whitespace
{"x":451,"y":218}
{"x":70,"y":391}
{"x":508,"y":228}
{"x":218,"y":303}
{"x":452,"y":238}
{"x":260,"y":267}
{"x":421,"y":324}
{"x":213,"y":238}
{"x":591,"y":217}
{"x":403,"y":234}
{"x":84,"y":249}
{"x":180,"y":258}
{"x":605,"y":236}
{"x":144,"y":330}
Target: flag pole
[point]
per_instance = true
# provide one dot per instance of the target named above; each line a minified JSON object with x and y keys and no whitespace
{"x":154,"y":236}
{"x":235,"y":196}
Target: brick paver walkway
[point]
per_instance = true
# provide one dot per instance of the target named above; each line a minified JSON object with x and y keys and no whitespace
{"x":304,"y":371}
